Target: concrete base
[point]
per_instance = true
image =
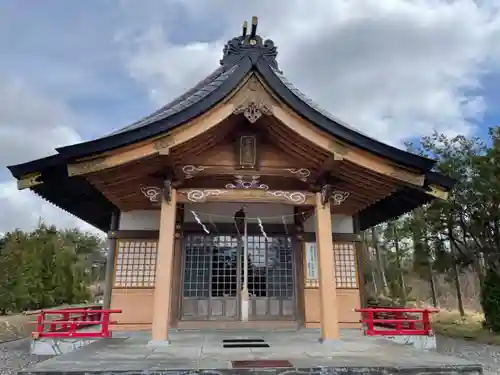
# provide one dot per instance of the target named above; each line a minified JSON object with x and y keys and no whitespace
{"x":53,"y":347}
{"x":158,"y":343}
{"x":417,"y":342}
{"x":203,"y":353}
{"x":329,"y":341}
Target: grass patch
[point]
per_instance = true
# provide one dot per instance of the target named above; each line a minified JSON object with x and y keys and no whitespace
{"x":470,"y":327}
{"x":16,"y":326}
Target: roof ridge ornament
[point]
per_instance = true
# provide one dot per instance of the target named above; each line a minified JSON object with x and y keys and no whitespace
{"x":250,"y":45}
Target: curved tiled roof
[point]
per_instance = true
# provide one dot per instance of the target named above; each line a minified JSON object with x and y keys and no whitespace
{"x":189,"y":98}
{"x":241,"y":56}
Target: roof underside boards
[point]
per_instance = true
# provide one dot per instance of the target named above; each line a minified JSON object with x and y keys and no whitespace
{"x":78,"y":197}
{"x":393,"y":206}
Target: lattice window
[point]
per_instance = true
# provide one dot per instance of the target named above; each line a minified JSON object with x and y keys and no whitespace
{"x":136,"y":264}
{"x":345,"y":265}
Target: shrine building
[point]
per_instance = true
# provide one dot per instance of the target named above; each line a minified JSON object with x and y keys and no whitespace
{"x":237,"y":205}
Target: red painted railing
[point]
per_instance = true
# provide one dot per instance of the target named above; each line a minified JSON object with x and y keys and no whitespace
{"x":396,"y":321}
{"x":65,"y":323}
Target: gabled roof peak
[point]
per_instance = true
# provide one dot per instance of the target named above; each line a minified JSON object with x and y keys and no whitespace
{"x":249,"y":45}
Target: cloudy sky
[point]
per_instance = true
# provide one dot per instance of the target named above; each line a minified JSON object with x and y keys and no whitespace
{"x":395,"y":69}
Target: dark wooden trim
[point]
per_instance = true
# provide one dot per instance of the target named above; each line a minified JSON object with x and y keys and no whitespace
{"x":136,"y":234}
{"x":110,"y":259}
{"x":337,"y":237}
{"x":360,"y":261}
{"x":228,"y":228}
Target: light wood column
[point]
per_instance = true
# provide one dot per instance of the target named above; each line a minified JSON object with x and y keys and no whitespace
{"x":326,"y":262}
{"x":164,"y":270}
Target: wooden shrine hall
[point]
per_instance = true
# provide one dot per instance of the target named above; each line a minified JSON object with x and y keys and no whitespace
{"x":239,"y":204}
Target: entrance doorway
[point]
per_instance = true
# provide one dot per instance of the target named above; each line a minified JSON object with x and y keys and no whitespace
{"x":213,"y":277}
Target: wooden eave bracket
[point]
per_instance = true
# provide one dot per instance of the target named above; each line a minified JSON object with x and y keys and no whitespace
{"x":29,"y":180}
{"x":438,"y":192}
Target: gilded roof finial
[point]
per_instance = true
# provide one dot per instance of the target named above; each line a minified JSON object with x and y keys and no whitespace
{"x":253,"y":32}
{"x":245,"y":28}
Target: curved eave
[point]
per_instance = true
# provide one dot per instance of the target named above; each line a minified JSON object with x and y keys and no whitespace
{"x":37,"y":165}
{"x":157,"y":127}
{"x":338,"y":130}
{"x":78,"y":197}
{"x":403,"y":201}
{"x":436,"y":178}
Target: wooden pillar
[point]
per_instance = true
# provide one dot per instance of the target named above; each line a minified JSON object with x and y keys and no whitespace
{"x":110,"y":260}
{"x":164,"y":270}
{"x":326,"y":262}
{"x":360,"y":262}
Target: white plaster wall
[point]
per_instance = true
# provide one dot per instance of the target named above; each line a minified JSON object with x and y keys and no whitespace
{"x":340,"y":224}
{"x":140,"y":220}
{"x":224,"y":212}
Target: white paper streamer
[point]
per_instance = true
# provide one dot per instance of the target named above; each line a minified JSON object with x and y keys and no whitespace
{"x":262,"y":228}
{"x":199,"y":222}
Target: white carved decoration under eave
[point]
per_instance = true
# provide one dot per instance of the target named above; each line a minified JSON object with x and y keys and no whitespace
{"x":301,"y":173}
{"x":339,"y":197}
{"x":243,"y":182}
{"x":191,"y":170}
{"x":201,"y":195}
{"x":153,"y":193}
{"x":292,"y":196}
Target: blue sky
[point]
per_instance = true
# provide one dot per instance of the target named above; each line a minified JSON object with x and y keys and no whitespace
{"x":395,"y":69}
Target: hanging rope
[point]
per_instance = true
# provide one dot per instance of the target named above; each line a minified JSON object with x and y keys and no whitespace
{"x":262,"y":229}
{"x":199,"y":222}
{"x":282,"y":217}
{"x":284,"y":223}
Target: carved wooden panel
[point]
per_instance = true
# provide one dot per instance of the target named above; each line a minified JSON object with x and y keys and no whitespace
{"x":247,"y":151}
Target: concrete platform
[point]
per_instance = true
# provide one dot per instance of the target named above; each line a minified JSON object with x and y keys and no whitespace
{"x":202,"y":352}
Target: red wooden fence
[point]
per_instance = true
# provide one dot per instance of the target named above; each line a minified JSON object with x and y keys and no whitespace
{"x":396,"y":321}
{"x":65,"y":323}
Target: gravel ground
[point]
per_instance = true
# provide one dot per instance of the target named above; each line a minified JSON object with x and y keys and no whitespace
{"x":15,"y":355}
{"x":487,"y":355}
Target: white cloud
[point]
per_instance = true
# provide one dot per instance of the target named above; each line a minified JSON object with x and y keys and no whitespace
{"x":168,"y":68}
{"x":24,"y":210}
{"x":31,"y":126}
{"x":394,"y":69}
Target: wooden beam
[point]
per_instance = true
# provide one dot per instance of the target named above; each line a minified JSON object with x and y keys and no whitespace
{"x":339,"y":150}
{"x":29,"y":180}
{"x":330,"y":163}
{"x":160,"y":145}
{"x":298,"y":198}
{"x":190,"y":171}
{"x":438,"y":192}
